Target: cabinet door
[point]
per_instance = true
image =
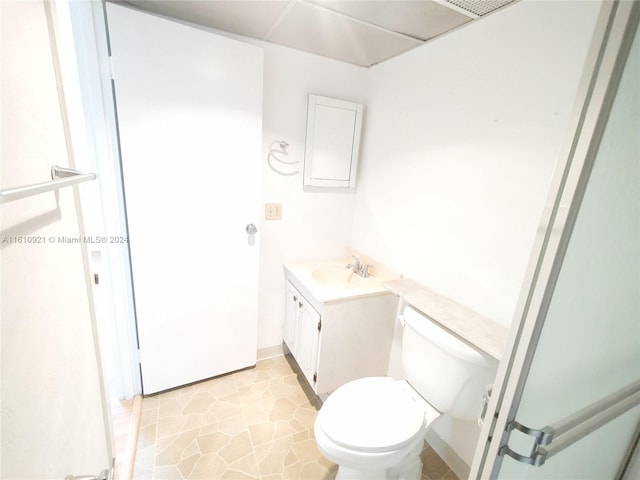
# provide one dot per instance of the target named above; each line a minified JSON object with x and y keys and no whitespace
{"x":332,"y":143}
{"x":292,"y":298}
{"x":307,"y":341}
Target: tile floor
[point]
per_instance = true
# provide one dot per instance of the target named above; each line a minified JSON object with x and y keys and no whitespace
{"x":252,"y":424}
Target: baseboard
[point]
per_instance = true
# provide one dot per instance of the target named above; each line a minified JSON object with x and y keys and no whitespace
{"x":270,"y":352}
{"x":451,"y":458}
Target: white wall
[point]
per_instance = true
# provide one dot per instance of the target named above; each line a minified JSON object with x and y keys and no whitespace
{"x":462,"y":135}
{"x":461,"y":140}
{"x":52,"y":411}
{"x":313,"y":225}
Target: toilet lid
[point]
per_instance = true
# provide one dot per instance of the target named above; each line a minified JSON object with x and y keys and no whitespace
{"x":372,"y":414}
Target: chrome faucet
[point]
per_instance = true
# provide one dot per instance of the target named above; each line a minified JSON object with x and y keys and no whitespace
{"x":354,"y":266}
{"x":358,"y":268}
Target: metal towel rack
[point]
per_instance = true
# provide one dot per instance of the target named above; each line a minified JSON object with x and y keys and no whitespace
{"x":554,"y":438}
{"x":61,"y":177}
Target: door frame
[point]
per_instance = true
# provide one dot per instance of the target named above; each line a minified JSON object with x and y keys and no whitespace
{"x":603,"y":69}
{"x":86,"y":74}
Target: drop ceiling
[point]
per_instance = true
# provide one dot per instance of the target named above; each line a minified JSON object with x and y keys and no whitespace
{"x":362,"y":32}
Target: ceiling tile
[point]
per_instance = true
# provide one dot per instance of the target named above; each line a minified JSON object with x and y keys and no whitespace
{"x":251,"y":18}
{"x":423,"y":19}
{"x":314,"y":29}
{"x":363,"y":32}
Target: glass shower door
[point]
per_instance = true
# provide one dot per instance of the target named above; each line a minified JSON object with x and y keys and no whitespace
{"x":590,"y":344}
{"x":576,"y":356}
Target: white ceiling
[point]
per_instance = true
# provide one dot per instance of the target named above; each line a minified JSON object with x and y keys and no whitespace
{"x":362,"y":32}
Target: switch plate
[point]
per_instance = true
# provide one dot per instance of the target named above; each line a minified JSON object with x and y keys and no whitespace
{"x":273,"y":211}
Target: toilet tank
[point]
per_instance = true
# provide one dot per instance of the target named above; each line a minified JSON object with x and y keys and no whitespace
{"x":446,"y":371}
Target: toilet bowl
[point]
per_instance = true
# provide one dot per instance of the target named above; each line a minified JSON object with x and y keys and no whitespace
{"x":374,"y":427}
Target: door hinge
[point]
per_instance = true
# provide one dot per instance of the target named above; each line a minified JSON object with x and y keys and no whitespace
{"x":315,"y":377}
{"x":319,"y":325}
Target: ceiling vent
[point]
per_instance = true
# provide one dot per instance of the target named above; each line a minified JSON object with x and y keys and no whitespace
{"x":479,"y":7}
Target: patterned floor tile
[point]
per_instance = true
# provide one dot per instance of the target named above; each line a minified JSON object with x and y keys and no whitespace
{"x":252,"y":424}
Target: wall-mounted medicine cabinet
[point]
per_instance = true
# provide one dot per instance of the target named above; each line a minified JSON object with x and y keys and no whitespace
{"x":332,"y":143}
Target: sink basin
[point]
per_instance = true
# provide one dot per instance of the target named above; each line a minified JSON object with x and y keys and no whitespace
{"x":335,"y":276}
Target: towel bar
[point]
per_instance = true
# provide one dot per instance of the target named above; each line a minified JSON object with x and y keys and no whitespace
{"x":61,"y":177}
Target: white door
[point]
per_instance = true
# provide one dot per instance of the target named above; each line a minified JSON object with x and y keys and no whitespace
{"x":189,"y":107}
{"x":564,"y":405}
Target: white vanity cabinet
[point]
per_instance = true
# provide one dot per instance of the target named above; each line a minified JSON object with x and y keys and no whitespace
{"x":334,"y":342}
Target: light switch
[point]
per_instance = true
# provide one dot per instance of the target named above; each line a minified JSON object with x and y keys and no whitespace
{"x":273,"y":211}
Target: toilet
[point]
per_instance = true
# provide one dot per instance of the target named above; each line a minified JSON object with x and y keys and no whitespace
{"x":374,"y":427}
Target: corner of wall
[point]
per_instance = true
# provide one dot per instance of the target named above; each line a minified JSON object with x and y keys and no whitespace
{"x":447,"y":453}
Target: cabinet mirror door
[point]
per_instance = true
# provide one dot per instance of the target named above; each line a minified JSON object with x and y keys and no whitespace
{"x":332,"y":143}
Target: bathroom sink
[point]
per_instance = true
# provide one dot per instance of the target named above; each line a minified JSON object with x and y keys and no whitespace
{"x":335,"y":276}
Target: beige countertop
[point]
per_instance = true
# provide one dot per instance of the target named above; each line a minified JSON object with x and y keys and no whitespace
{"x":483,"y":333}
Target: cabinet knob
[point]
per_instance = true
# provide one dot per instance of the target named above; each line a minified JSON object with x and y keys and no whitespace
{"x":300,"y":304}
{"x":295,"y":299}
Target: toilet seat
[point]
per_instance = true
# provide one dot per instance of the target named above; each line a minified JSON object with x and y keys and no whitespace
{"x":374,"y":414}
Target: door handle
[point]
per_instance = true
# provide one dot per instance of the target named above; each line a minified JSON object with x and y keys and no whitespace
{"x":251,"y":229}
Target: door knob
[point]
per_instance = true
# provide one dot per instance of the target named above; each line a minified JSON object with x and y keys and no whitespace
{"x":251,"y":229}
